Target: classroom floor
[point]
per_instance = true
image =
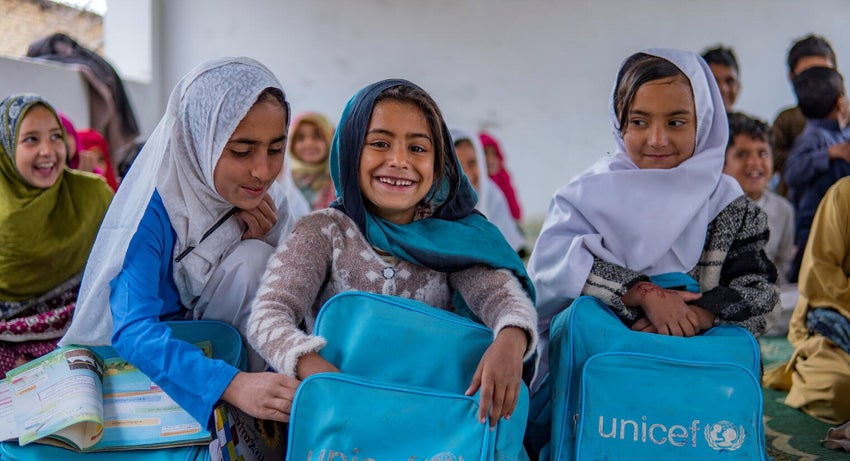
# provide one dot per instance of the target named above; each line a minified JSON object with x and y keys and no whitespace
{"x":790,"y":433}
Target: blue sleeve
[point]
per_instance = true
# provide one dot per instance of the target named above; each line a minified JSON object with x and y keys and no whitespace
{"x":808,"y":158}
{"x":144,"y":292}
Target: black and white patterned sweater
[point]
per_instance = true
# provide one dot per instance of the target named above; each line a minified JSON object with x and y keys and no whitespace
{"x":736,"y":278}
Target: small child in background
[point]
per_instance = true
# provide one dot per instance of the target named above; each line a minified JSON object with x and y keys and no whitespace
{"x":491,"y":200}
{"x":94,"y":156}
{"x":724,"y":66}
{"x":749,"y":159}
{"x":821,"y":154}
{"x":499,"y":174}
{"x":309,"y":149}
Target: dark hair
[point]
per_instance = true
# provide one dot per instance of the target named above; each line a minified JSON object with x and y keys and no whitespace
{"x":128,"y":155}
{"x":810,"y":45}
{"x":818,"y":89}
{"x":740,"y":123}
{"x":463,"y":141}
{"x":721,"y":55}
{"x":638,"y":69}
{"x":272,"y":94}
{"x":443,"y":152}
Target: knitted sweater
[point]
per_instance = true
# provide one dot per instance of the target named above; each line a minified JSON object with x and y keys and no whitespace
{"x":736,"y":278}
{"x":327,"y":254}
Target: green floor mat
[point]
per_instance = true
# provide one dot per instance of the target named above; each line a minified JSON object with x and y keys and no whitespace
{"x":790,"y":433}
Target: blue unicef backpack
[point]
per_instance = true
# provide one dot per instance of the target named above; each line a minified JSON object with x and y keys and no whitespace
{"x":405,"y":367}
{"x":620,"y":394}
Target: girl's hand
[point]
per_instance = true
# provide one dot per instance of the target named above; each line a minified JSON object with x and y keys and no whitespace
{"x":706,"y":318}
{"x":499,"y":375}
{"x":666,"y":310}
{"x":260,"y":220}
{"x":706,"y":321}
{"x":643,"y":324}
{"x":262,"y":395}
{"x":312,"y":363}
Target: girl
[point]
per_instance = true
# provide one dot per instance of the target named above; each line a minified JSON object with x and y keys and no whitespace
{"x":94,"y":152}
{"x":491,"y":200}
{"x":49,"y":217}
{"x":189,"y":235}
{"x":659,"y":205}
{"x":311,"y":135}
{"x":499,"y":174}
{"x":72,"y":140}
{"x":403,"y":224}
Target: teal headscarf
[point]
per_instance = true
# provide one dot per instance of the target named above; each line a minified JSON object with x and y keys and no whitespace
{"x":455,"y":236}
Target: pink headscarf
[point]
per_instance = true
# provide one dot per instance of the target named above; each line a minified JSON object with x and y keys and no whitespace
{"x":90,"y":138}
{"x":502,"y":178}
{"x":73,"y":157}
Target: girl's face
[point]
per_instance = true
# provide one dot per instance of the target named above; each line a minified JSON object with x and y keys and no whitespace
{"x":309,"y":144}
{"x":253,"y":156}
{"x":661,"y":127}
{"x":468,"y":161}
{"x":40,"y":153}
{"x":397,"y":161}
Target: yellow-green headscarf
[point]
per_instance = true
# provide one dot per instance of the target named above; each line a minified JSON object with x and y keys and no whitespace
{"x":45,"y":234}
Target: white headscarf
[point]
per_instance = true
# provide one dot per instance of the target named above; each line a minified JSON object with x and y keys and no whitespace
{"x":491,"y":200}
{"x":178,"y":160}
{"x":652,"y":221}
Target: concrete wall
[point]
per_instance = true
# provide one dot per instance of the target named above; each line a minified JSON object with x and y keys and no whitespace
{"x":536,"y":73}
{"x":25,"y":21}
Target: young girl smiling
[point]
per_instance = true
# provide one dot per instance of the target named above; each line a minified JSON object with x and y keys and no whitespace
{"x":660,"y":205}
{"x":403,"y":224}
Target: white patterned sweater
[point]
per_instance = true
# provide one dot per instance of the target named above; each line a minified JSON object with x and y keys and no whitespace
{"x":326,"y":254}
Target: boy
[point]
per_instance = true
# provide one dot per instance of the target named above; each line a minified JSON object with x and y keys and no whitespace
{"x":724,"y":66}
{"x":821,"y":154}
{"x":749,"y":160}
{"x":809,"y":51}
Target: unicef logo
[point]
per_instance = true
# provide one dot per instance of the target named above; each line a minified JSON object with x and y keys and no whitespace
{"x":445,"y":456}
{"x":724,"y":435}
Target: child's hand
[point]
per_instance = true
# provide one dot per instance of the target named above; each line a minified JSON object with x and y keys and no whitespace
{"x":260,"y":220}
{"x":666,"y":310}
{"x":499,"y":375}
{"x":643,"y":324}
{"x":706,"y":321}
{"x":840,"y":151}
{"x":706,"y":318}
{"x":312,"y":363}
{"x":262,"y":395}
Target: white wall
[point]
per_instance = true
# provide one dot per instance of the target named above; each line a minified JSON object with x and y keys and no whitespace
{"x":63,"y":86}
{"x":537,"y":73}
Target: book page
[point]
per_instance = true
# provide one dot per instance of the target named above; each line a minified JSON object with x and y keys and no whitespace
{"x":57,"y":391}
{"x":137,"y":413}
{"x":8,"y":428}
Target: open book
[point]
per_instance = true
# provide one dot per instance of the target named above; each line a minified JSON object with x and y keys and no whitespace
{"x":90,"y":399}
